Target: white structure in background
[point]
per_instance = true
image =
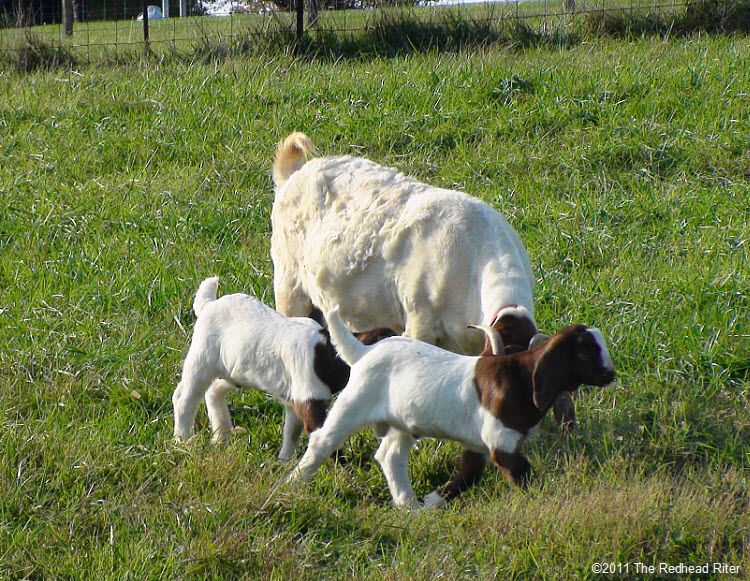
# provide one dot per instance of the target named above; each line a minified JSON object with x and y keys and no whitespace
{"x":154,"y":13}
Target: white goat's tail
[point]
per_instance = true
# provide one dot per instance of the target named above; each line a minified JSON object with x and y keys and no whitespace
{"x":290,"y":156}
{"x":206,"y":294}
{"x":349,"y":349}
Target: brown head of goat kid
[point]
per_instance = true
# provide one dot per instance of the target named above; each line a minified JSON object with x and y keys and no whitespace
{"x":409,"y":389}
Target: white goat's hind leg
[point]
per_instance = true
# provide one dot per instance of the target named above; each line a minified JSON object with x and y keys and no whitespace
{"x":218,"y":410}
{"x":292,"y":432}
{"x":188,"y":394}
{"x":393,"y":457}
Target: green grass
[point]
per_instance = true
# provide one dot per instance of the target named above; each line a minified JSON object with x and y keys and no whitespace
{"x":623,"y":166}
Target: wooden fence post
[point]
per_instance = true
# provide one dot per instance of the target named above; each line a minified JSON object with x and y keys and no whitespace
{"x":145,"y":23}
{"x":300,"y":19}
{"x":67,"y":9}
{"x":312,"y":13}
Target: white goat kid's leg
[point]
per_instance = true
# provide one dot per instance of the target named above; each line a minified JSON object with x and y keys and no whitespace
{"x":187,"y":395}
{"x":218,"y":410}
{"x":393,"y":457}
{"x":348,"y":415}
{"x":319,"y":448}
{"x":292,"y":432}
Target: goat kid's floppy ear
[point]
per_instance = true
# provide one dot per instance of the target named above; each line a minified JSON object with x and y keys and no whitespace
{"x":496,"y":341}
{"x":538,"y":339}
{"x":548,"y":377}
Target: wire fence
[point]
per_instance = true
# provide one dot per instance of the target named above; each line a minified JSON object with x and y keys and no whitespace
{"x":91,"y":27}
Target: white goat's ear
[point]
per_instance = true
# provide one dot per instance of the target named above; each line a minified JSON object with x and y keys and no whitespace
{"x":537,"y":340}
{"x":496,"y":341}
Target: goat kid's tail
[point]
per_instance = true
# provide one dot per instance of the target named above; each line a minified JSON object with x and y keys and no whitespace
{"x":290,"y":156}
{"x":349,"y":349}
{"x":206,"y":294}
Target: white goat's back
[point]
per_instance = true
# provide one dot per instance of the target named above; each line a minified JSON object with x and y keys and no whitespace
{"x":385,"y":247}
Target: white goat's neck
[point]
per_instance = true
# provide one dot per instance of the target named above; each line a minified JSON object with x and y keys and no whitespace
{"x":501,"y":289}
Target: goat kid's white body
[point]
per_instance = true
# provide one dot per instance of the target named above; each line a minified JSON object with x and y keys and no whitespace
{"x":414,"y":389}
{"x":239,"y":341}
{"x":245,"y":342}
{"x":394,"y":252}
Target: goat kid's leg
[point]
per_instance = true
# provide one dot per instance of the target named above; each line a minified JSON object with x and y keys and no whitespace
{"x":346,"y":417}
{"x":292,"y":431}
{"x":218,"y":410}
{"x":322,"y":444}
{"x":393,"y":457}
{"x":565,"y":411}
{"x":469,"y":472}
{"x":312,"y":412}
{"x":514,"y":466}
{"x":186,"y":397}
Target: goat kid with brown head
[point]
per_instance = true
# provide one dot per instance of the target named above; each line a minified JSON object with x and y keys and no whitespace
{"x":409,"y":389}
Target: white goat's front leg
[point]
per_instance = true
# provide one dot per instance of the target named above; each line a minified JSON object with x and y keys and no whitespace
{"x":291,"y":300}
{"x":322,"y":444}
{"x":393,"y":457}
{"x":292,"y":432}
{"x":421,"y":327}
{"x":218,"y":410}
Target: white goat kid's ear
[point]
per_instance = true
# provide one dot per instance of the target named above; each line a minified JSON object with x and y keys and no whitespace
{"x":496,"y":341}
{"x":538,"y":339}
{"x":546,"y":378}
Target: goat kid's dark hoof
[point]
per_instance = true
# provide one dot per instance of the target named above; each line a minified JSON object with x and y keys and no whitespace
{"x":565,"y":411}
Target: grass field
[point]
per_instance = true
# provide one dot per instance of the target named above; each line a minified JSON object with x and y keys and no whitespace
{"x":623,"y":166}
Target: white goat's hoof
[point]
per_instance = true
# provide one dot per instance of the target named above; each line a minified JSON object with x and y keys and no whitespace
{"x":434,"y":500}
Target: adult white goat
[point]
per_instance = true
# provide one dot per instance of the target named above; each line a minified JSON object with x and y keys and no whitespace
{"x":394,"y":252}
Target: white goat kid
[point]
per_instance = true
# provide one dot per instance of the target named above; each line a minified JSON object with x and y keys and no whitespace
{"x":408,"y":389}
{"x":240,"y":342}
